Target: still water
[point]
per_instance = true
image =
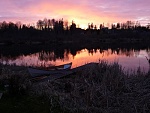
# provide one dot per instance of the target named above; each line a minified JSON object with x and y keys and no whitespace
{"x":128,"y":59}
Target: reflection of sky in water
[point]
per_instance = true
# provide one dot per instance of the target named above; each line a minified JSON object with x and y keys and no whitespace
{"x":129,"y":60}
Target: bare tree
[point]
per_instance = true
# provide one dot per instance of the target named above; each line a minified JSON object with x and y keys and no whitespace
{"x":137,"y":24}
{"x":45,"y":23}
{"x":148,"y":25}
{"x":130,"y":24}
{"x":101,"y":26}
{"x":4,"y":25}
{"x":118,"y":26}
{"x":19,"y":24}
{"x":40,"y":24}
{"x":66,"y":25}
{"x":113,"y":26}
{"x":92,"y":26}
{"x":49,"y":23}
{"x":95,"y":27}
{"x":53,"y":23}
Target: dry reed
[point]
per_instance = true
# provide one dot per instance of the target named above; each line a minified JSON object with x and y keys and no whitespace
{"x":100,"y":88}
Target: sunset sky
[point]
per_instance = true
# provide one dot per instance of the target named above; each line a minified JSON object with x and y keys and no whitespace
{"x":81,"y":11}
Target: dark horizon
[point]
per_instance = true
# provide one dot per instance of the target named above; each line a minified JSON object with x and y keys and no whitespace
{"x":49,"y":23}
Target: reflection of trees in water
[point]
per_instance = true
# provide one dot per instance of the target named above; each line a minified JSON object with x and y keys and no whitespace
{"x":53,"y":56}
{"x":92,"y":51}
{"x":126,"y":52}
{"x":148,"y":52}
{"x":44,"y":55}
{"x":64,"y":55}
{"x":136,"y":52}
{"x":53,"y":52}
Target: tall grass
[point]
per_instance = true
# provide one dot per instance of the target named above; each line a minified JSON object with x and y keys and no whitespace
{"x":100,"y":88}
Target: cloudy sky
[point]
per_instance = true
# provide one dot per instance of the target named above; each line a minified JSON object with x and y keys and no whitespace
{"x":81,"y":11}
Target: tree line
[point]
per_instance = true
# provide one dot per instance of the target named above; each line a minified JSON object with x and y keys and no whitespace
{"x":55,"y":29}
{"x":59,"y":25}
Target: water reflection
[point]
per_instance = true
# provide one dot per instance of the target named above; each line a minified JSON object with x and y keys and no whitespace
{"x":129,"y":59}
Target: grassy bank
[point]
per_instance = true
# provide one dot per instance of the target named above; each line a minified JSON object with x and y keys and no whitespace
{"x":99,"y":88}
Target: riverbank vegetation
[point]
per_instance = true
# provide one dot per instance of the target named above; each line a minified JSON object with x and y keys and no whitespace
{"x":98,"y":88}
{"x":48,"y":31}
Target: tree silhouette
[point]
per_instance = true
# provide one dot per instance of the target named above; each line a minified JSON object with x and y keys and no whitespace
{"x":101,"y":26}
{"x":92,"y":26}
{"x":113,"y":26}
{"x":51,"y":29}
{"x":95,"y":27}
{"x":45,"y":23}
{"x":40,"y":24}
{"x":53,"y":23}
{"x":49,"y":23}
{"x":19,"y":25}
{"x":89,"y":26}
{"x":72,"y":27}
{"x":148,"y":26}
{"x":118,"y":26}
{"x":66,"y":25}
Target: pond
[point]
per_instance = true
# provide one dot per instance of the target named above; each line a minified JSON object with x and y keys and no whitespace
{"x":129,"y":59}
